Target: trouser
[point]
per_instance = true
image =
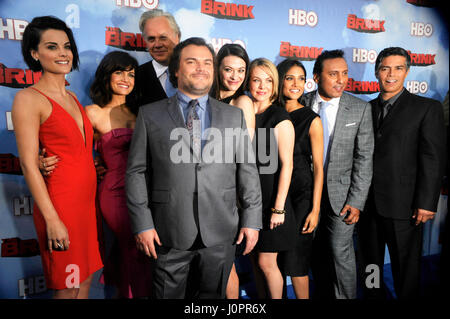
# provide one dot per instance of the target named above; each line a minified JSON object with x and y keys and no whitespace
{"x":404,"y":241}
{"x":201,"y":272}
{"x":333,"y":262}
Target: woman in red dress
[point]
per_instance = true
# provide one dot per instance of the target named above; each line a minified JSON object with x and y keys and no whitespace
{"x":48,"y":116}
{"x":113,"y":116}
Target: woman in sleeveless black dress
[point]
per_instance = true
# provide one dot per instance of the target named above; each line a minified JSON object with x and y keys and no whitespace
{"x":307,"y":177}
{"x":274,"y":145}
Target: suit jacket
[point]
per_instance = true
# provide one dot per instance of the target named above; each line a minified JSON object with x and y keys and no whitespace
{"x":148,"y":87}
{"x":349,"y":170}
{"x":167,"y":195}
{"x":409,"y":156}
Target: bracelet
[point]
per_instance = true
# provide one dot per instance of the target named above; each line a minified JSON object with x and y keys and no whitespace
{"x":278,"y":211}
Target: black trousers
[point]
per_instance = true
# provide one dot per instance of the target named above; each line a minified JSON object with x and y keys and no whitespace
{"x":198,"y":273}
{"x":404,"y":241}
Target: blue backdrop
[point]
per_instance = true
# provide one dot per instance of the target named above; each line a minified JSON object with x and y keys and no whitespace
{"x":266,"y":28}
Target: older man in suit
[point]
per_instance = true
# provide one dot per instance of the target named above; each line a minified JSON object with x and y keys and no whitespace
{"x":187,"y":204}
{"x":408,"y":166}
{"x":348,"y":150}
{"x":161,"y":34}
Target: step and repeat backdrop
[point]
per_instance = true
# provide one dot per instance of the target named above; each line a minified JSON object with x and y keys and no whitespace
{"x":266,"y":28}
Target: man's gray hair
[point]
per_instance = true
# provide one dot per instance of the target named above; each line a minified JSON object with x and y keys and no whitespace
{"x":159,"y":13}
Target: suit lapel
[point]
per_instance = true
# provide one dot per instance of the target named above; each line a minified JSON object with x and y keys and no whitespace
{"x":155,"y":85}
{"x":175,"y":113}
{"x":376,"y":112}
{"x":399,"y":105}
{"x":341,"y":117}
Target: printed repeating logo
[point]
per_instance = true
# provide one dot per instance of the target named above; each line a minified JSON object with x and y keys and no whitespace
{"x":364,"y":25}
{"x":32,"y":286}
{"x":420,"y":59}
{"x":9,"y":164}
{"x":129,"y":41}
{"x":301,"y":52}
{"x":362,"y":87}
{"x":231,"y":11}
{"x":17,"y":78}
{"x":148,"y":4}
{"x":16,"y":247}
{"x":364,"y":55}
{"x":302,"y":18}
{"x":217,"y":43}
{"x":310,"y":85}
{"x":419,"y":29}
{"x":417,"y":87}
{"x":22,"y":205}
{"x":12,"y":29}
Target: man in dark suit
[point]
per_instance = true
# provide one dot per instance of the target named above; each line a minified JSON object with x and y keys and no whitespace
{"x":348,"y":150}
{"x":161,"y":34}
{"x":407,"y":172}
{"x":183,"y":201}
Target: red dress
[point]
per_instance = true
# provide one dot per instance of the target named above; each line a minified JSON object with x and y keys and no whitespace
{"x":72,"y":189}
{"x":131,"y":272}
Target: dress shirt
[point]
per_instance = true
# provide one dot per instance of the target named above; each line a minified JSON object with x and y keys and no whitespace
{"x":161,"y":74}
{"x":391,"y":100}
{"x":331,"y":112}
{"x":203,"y":111}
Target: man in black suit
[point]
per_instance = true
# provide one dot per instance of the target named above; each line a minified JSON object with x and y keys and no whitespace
{"x":161,"y":34}
{"x":408,"y":168}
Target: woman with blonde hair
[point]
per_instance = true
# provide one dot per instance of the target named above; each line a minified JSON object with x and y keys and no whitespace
{"x":274,"y":145}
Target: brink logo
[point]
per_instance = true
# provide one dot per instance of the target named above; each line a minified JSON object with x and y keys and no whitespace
{"x":230,"y":11}
{"x":364,"y":25}
{"x":303,"y":53}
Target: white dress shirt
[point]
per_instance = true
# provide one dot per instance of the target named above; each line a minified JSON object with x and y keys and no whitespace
{"x":161,"y":73}
{"x":331,"y":112}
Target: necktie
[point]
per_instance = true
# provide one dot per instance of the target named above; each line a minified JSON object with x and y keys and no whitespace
{"x":170,"y":90}
{"x":385,"y":108}
{"x":194,"y":127}
{"x":326,"y":133}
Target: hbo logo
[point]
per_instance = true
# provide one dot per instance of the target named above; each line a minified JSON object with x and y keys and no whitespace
{"x":419,"y":29}
{"x":301,"y":18}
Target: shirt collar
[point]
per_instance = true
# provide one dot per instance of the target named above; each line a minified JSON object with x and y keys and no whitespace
{"x":333,"y":101}
{"x":159,"y":68}
{"x":393,"y":99}
{"x":184,"y":100}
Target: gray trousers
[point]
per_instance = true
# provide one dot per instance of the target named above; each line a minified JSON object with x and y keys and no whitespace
{"x":334,"y":262}
{"x":199,"y":273}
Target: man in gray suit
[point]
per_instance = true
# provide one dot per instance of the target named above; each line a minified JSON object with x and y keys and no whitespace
{"x":348,"y":149}
{"x":187,"y":204}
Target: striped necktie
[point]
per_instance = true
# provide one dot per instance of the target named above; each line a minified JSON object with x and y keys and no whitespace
{"x":194,"y":127}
